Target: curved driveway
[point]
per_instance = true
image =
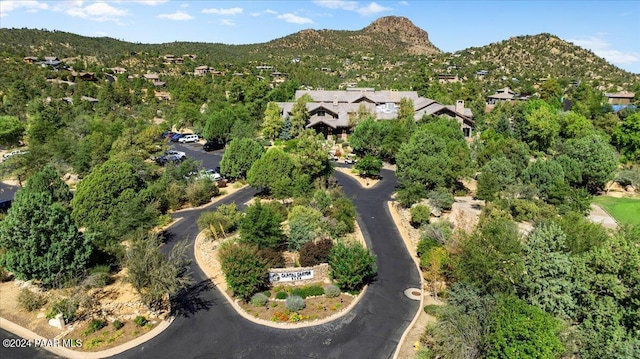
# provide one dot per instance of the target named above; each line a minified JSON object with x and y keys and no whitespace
{"x":207,"y":326}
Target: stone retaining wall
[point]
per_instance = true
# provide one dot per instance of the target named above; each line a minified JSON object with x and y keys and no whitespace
{"x":320,"y":274}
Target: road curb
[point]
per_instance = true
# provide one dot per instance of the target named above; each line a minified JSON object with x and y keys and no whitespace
{"x":407,"y":243}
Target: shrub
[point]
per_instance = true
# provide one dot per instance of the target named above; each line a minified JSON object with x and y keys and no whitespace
{"x":281,"y":295}
{"x":308,"y":291}
{"x":432,"y":309}
{"x":425,"y":245}
{"x":420,"y":215}
{"x":259,"y":300}
{"x":314,"y":253}
{"x":261,"y":226}
{"x":441,"y":198}
{"x":140,"y":321}
{"x":439,"y":231}
{"x":175,"y":195}
{"x":201,"y":191}
{"x":224,"y":219}
{"x":98,"y":279}
{"x":411,"y":194}
{"x":278,"y":207}
{"x":332,"y":291}
{"x":303,"y":226}
{"x":245,"y":272}
{"x":118,"y":324}
{"x":30,"y":301}
{"x":344,"y":213}
{"x":4,"y":274}
{"x":66,"y":306}
{"x":271,"y":258}
{"x":267,"y":293}
{"x":351,"y":266}
{"x":94,"y":326}
{"x":294,"y":303}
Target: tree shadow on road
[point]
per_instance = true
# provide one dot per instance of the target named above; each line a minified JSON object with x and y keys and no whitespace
{"x":189,"y":301}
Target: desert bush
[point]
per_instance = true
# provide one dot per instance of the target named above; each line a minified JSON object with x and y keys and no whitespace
{"x":118,"y":324}
{"x":201,"y":191}
{"x":410,"y":194}
{"x":332,"y":291}
{"x":420,"y":215}
{"x":98,"y":277}
{"x":220,"y":222}
{"x":175,"y":195}
{"x":441,"y":198}
{"x":30,"y":301}
{"x":303,"y":226}
{"x":281,"y":295}
{"x":314,"y":253}
{"x":294,"y":303}
{"x":351,"y":266}
{"x":67,"y":306}
{"x":272,"y":258}
{"x":259,"y":300}
{"x":140,"y":321}
{"x":280,"y":208}
{"x":439,"y":231}
{"x":245,"y":272}
{"x":94,"y":326}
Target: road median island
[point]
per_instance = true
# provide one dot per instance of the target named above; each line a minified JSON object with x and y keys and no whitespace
{"x":207,"y":259}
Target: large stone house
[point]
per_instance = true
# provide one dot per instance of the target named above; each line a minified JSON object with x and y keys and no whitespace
{"x":330,"y":110}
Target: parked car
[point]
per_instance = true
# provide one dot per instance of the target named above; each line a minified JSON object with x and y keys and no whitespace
{"x":176,"y":153}
{"x":177,"y":136}
{"x":189,"y":138}
{"x":350,"y":158}
{"x":171,"y":156}
{"x":163,"y":160}
{"x":333,"y":157}
{"x":213,"y":145}
{"x":13,"y":153}
{"x":209,"y":173}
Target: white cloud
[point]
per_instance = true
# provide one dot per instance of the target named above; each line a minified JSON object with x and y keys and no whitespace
{"x":254,"y":14}
{"x":404,"y":3}
{"x":272,"y":12}
{"x":602,"y":48}
{"x":230,"y":11}
{"x":31,"y":6}
{"x":151,"y":2}
{"x":178,"y":15}
{"x":184,"y":5}
{"x":294,"y":19}
{"x":372,"y":8}
{"x":97,"y":12}
{"x":227,"y":22}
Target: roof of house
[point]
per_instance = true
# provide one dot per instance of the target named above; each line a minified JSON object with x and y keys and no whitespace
{"x":151,"y":76}
{"x":503,"y":94}
{"x":622,"y":94}
{"x":383,"y":104}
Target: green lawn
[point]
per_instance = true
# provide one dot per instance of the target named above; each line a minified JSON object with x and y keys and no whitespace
{"x":624,"y":210}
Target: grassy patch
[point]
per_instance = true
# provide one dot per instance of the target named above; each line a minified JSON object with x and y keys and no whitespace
{"x":624,"y":210}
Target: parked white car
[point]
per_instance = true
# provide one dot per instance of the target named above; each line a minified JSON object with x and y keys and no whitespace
{"x":189,"y":138}
{"x":351,"y":158}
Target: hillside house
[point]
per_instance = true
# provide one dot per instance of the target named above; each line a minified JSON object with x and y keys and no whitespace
{"x":330,"y":110}
{"x":201,"y":70}
{"x":502,"y":95}
{"x":620,"y":98}
{"x":118,"y":70}
{"x":84,"y":76}
{"x":152,"y":77}
{"x":447,"y":78}
{"x":30,"y":59}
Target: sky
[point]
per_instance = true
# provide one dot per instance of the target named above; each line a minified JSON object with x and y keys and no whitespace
{"x":611,"y":29}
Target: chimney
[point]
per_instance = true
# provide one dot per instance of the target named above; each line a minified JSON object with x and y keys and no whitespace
{"x":335,"y":100}
{"x":460,"y":106}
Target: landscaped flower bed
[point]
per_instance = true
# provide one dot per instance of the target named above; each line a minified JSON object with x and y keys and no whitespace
{"x":315,"y":306}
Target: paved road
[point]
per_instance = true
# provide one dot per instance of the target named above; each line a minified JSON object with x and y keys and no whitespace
{"x":206,"y":326}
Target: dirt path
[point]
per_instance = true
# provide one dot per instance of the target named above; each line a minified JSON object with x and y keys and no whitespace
{"x":600,"y":216}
